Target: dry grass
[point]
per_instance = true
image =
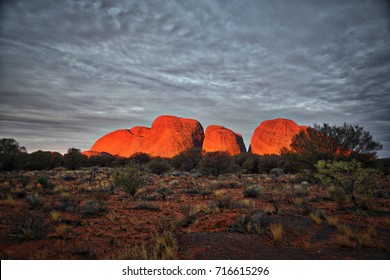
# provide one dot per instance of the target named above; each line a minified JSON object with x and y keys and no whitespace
{"x":9,"y":200}
{"x":62,"y":230}
{"x":219,"y":193}
{"x":277,"y":232}
{"x":333,"y":221}
{"x":344,"y":241}
{"x":55,"y":215}
{"x":162,"y":247}
{"x":317,"y":219}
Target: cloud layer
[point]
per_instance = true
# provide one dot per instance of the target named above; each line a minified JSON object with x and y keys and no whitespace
{"x":71,"y":71}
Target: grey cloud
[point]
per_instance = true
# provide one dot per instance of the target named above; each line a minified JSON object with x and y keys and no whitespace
{"x":69,"y":65}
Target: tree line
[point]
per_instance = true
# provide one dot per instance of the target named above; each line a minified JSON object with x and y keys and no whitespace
{"x":321,"y":142}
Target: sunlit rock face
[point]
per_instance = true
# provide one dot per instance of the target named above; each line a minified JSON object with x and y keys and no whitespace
{"x":273,"y":135}
{"x":168,"y":136}
{"x":219,"y":138}
{"x":120,"y":142}
{"x":90,"y":153}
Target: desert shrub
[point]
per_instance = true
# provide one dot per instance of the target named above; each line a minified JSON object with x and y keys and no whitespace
{"x":29,"y":225}
{"x":188,"y":212}
{"x":130,"y":179}
{"x":74,"y":159}
{"x":302,"y":204}
{"x":147,"y":206}
{"x":337,"y":195}
{"x":164,"y":192}
{"x":300,"y":191}
{"x":225,"y":184}
{"x":187,"y":160}
{"x":68,"y":202}
{"x":249,"y":163}
{"x":44,"y":182}
{"x":140,"y":158}
{"x":253,"y":191}
{"x":252,"y":222}
{"x":93,"y":208}
{"x":34,"y":201}
{"x":192,"y":191}
{"x":268,"y":162}
{"x":276,"y":194}
{"x":158,"y":166}
{"x":224,"y":202}
{"x":216,"y":163}
{"x":276,"y":172}
{"x":68,"y":178}
{"x":349,"y":177}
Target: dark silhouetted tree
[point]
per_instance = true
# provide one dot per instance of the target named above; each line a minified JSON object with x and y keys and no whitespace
{"x":187,"y":160}
{"x":335,"y":142}
{"x":74,"y":159}
{"x":11,"y":154}
{"x":216,"y":163}
{"x":40,"y":160}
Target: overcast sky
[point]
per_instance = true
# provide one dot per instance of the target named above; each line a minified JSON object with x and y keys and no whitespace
{"x":72,"y":71}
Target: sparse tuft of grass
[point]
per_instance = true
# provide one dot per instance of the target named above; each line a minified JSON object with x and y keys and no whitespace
{"x":9,"y":200}
{"x":55,"y":215}
{"x":316,"y":218}
{"x":344,"y":241}
{"x":333,"y":221}
{"x":62,"y":230}
{"x":219,"y":193}
{"x":162,"y":247}
{"x":277,"y":232}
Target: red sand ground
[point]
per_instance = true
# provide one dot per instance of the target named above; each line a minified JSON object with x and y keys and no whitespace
{"x":104,"y":235}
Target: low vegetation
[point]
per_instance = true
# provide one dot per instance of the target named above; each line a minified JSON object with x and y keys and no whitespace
{"x":74,"y":207}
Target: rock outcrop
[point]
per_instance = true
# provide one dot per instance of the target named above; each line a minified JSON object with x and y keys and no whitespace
{"x":219,"y":138}
{"x":168,"y":136}
{"x":273,"y":135}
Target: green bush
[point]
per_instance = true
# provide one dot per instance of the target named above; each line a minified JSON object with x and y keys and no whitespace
{"x":253,"y":222}
{"x":187,"y":160}
{"x":249,"y":163}
{"x":158,"y":166}
{"x":216,"y":163}
{"x":130,"y":179}
{"x":44,"y":182}
{"x":349,"y":177}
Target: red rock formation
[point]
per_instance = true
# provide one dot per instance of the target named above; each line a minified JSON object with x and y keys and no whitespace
{"x":273,"y":135}
{"x":91,"y":153}
{"x":168,"y":136}
{"x":219,"y":138}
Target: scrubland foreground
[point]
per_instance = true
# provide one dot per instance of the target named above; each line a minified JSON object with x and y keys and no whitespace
{"x":127,"y":213}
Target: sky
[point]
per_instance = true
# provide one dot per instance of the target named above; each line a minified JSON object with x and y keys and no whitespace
{"x":72,"y":71}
